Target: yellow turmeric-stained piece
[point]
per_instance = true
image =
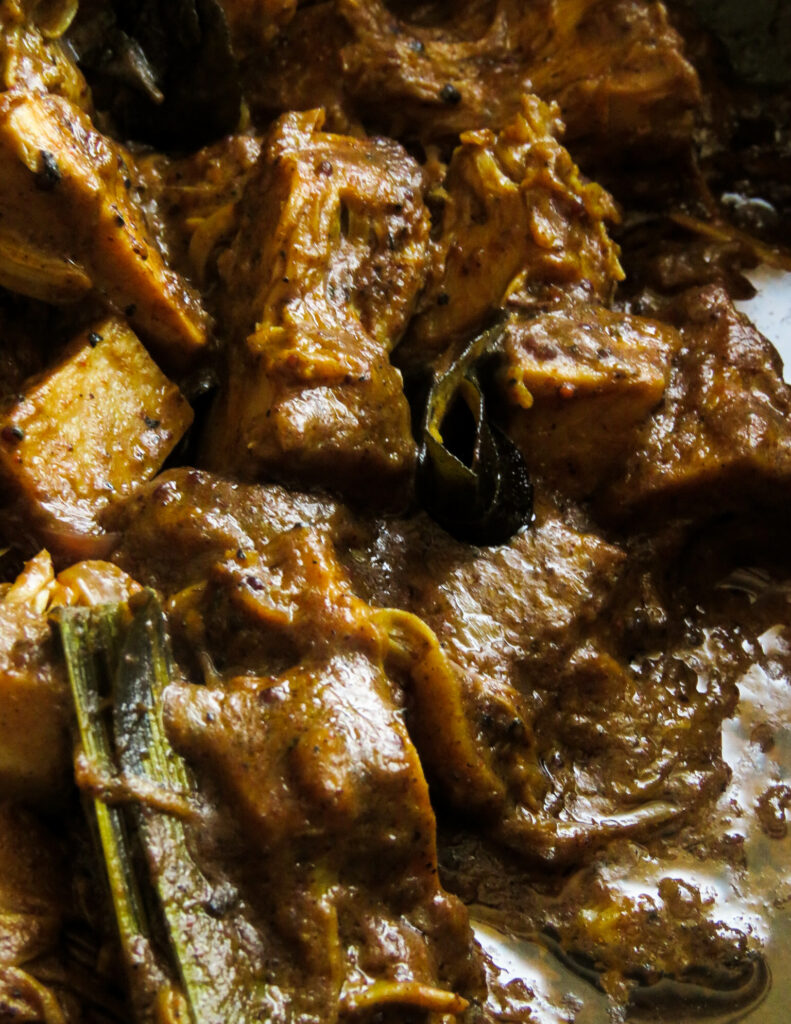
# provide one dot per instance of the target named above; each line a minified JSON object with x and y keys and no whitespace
{"x":88,"y":432}
{"x":68,"y":224}
{"x":520,"y":228}
{"x":322,"y":277}
{"x":580,"y":383}
{"x":35,"y":747}
{"x":34,"y":57}
{"x":34,"y":738}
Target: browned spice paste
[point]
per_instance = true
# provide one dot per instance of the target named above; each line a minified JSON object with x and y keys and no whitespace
{"x":472,"y":637}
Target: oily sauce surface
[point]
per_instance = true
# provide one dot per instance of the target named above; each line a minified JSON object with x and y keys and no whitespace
{"x":393,"y":350}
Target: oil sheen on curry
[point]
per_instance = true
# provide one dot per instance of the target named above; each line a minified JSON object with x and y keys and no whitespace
{"x":394,"y":616}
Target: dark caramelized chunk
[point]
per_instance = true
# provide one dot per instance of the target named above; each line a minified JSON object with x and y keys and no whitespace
{"x":434,"y":70}
{"x":580,"y":383}
{"x":519,"y":227}
{"x":254,"y":23}
{"x":301,"y":733}
{"x":33,"y":909}
{"x":321,"y":279}
{"x":721,"y":439}
{"x":316,"y":767}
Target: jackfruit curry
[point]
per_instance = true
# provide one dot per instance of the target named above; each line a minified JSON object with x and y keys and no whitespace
{"x":395,"y":618}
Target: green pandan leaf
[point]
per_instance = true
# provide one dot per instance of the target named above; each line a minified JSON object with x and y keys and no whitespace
{"x":180,"y":946}
{"x":91,"y":643}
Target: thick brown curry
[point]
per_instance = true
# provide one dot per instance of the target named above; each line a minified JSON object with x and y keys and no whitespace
{"x":462,"y":485}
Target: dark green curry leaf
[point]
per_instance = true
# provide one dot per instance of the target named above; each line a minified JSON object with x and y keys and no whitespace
{"x":164,"y":69}
{"x":471,"y":477}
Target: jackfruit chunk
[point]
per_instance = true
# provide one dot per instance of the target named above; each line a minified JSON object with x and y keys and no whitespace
{"x":86,"y":433}
{"x":322,"y":278}
{"x":520,"y":228}
{"x":35,"y":747}
{"x":34,"y":56}
{"x":428,"y":71}
{"x":34,"y":735}
{"x":720,"y":442}
{"x":34,"y":897}
{"x":68,"y":224}
{"x":255,"y":23}
{"x":581,"y":383}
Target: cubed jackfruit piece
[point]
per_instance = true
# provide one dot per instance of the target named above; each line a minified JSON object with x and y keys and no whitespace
{"x":35,"y":705}
{"x":322,"y":277}
{"x":69,"y":224}
{"x":581,"y":383}
{"x":86,"y":433}
{"x":520,"y":228}
{"x":34,"y":701}
{"x":720,"y":442}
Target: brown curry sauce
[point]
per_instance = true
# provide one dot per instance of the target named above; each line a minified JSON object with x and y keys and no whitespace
{"x":576,"y":741}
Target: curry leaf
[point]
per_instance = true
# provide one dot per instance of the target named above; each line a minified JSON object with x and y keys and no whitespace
{"x":164,"y":69}
{"x":471,"y":477}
